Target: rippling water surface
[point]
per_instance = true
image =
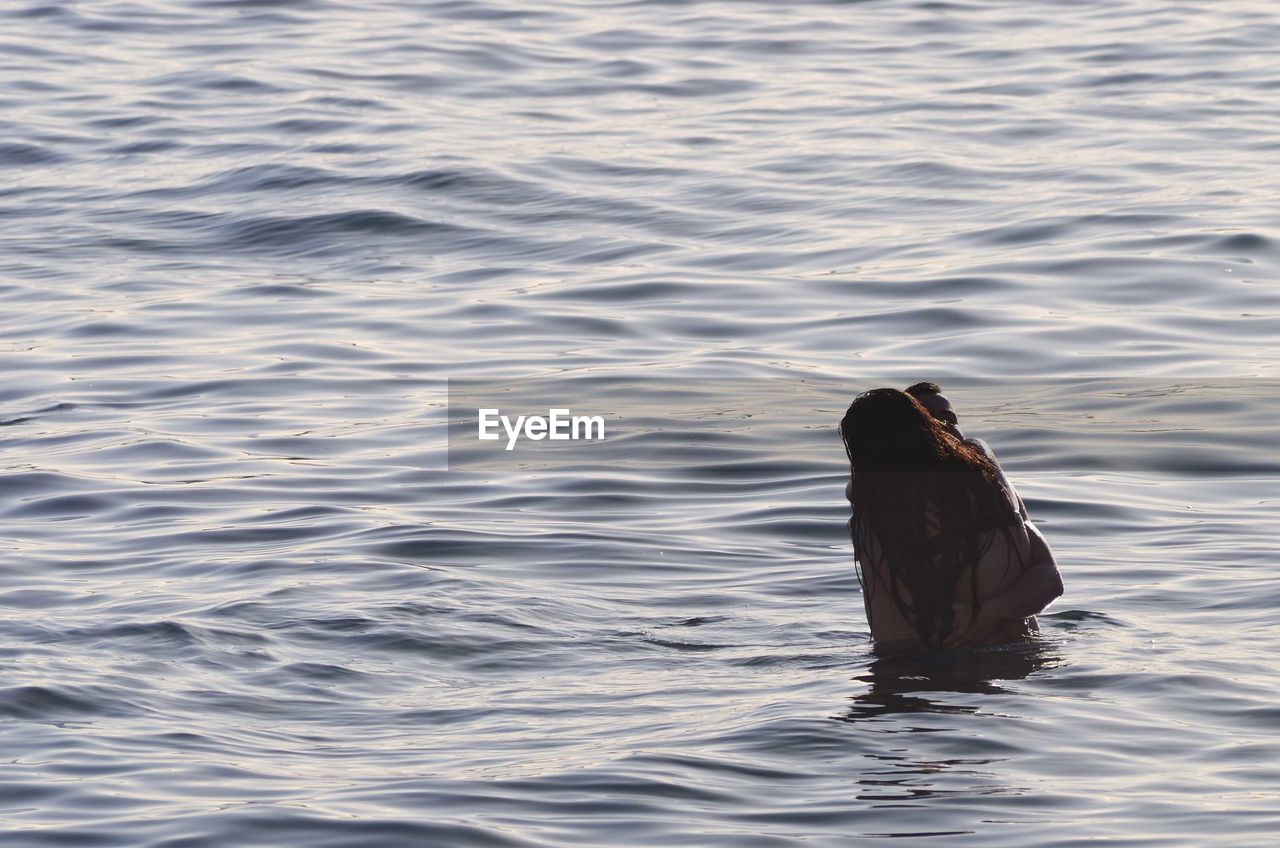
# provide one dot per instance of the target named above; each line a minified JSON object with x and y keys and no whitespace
{"x":244,"y":245}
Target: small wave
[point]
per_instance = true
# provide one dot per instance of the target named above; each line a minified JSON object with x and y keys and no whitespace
{"x":53,"y":703}
{"x":18,"y":154}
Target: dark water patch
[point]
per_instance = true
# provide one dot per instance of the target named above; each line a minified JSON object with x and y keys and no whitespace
{"x":54,"y":703}
{"x":540,"y":115}
{"x":454,"y":547}
{"x":301,"y":513}
{"x":614,"y":169}
{"x":37,"y":86}
{"x":624,"y":68}
{"x":683,"y":645}
{"x":63,"y":507}
{"x":639,"y":787}
{"x":106,"y":329}
{"x":1080,"y":616}
{"x":43,"y":11}
{"x":347,"y":149}
{"x":313,"y":352}
{"x":120,"y":122}
{"x":286,"y":291}
{"x":149,"y":146}
{"x":620,"y":253}
{"x":32,"y":599}
{"x":471,"y":185}
{"x":246,"y":537}
{"x":1026,"y":233}
{"x":720,"y":767}
{"x":35,"y":51}
{"x":18,"y":154}
{"x":1245,"y":244}
{"x":444,"y":717}
{"x":309,"y":671}
{"x":698,"y":621}
{"x":1120,"y":79}
{"x":697,"y":87}
{"x":272,"y":177}
{"x":33,"y":416}
{"x":624,"y":292}
{"x":161,"y":635}
{"x":408,"y":82}
{"x":309,"y":126}
{"x":181,"y":83}
{"x":336,"y":624}
{"x":916,"y":290}
{"x":292,"y":236}
{"x":478,"y":275}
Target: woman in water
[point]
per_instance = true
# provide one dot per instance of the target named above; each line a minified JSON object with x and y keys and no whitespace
{"x":945,"y":558}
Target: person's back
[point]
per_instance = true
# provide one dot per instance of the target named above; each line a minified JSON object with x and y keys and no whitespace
{"x":946,"y":558}
{"x":1006,"y":552}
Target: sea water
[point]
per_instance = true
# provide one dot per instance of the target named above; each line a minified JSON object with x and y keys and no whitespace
{"x":253,"y":254}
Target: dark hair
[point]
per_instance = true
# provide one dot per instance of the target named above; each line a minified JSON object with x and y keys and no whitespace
{"x":918,"y":389}
{"x":925,"y":497}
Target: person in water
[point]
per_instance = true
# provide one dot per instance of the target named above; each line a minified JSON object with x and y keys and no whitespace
{"x":945,"y":555}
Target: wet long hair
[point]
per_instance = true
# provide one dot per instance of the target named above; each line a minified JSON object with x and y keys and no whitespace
{"x":925,"y":496}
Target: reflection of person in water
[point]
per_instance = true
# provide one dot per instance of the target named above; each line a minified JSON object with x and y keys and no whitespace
{"x":945,"y":555}
{"x":916,"y":682}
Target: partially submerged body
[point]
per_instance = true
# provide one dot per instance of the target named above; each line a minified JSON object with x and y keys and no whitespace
{"x":947,"y":556}
{"x":1016,"y":578}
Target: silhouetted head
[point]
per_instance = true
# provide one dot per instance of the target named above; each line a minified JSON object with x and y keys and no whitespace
{"x":889,"y":430}
{"x":931,"y":398}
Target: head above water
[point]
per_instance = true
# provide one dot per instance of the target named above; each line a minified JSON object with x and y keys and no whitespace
{"x":938,"y":405}
{"x":889,"y":430}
